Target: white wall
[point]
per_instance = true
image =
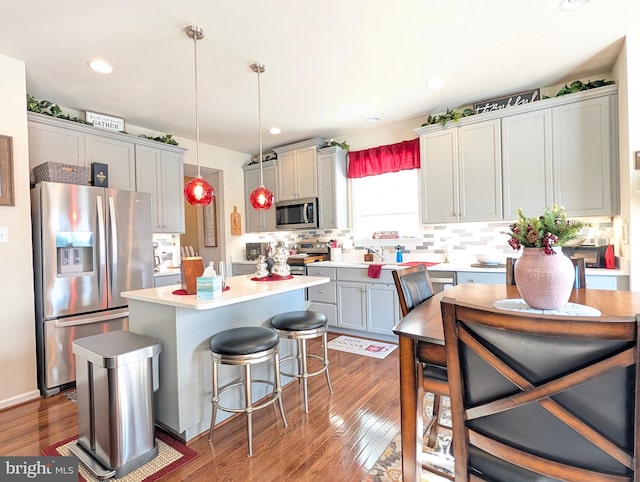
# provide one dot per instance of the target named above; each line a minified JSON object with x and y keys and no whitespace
{"x":17,"y":319}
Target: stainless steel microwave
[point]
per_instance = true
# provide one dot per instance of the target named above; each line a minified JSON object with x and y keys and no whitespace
{"x":297,"y":214}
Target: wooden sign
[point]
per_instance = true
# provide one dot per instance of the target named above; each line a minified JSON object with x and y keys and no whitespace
{"x":105,"y":121}
{"x":504,"y":102}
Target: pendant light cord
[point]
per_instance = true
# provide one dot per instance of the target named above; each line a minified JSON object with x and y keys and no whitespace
{"x":195,"y":76}
{"x":260,"y":126}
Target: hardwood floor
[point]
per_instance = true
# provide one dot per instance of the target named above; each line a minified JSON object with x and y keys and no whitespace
{"x":340,"y":438}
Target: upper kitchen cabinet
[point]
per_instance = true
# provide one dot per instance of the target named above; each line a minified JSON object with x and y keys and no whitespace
{"x":563,"y":154}
{"x":118,"y":155}
{"x":297,"y":169}
{"x":135,"y":163}
{"x":332,"y":188}
{"x":461,"y":173}
{"x":258,"y":220}
{"x":160,"y":173}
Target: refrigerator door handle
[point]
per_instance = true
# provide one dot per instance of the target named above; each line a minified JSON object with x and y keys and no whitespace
{"x":86,"y":320}
{"x":102,"y":247}
{"x":114,"y":247}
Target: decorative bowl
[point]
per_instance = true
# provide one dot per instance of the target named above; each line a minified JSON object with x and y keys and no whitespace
{"x":490,"y":258}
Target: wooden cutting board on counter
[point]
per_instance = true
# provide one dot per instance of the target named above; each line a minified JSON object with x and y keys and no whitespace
{"x":305,"y":259}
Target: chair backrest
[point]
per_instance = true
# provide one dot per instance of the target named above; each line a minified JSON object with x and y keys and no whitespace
{"x":413,"y":286}
{"x":536,"y":394}
{"x":580,"y":280}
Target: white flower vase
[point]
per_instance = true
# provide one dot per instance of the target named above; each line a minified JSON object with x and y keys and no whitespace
{"x":544,"y":280}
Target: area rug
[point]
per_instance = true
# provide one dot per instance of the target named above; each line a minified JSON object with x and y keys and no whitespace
{"x":171,"y":455}
{"x":388,"y":468}
{"x":372,"y":348}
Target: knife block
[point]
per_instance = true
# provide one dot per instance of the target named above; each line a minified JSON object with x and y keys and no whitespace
{"x":192,"y":268}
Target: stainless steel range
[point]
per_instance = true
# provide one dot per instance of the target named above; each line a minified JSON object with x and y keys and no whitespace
{"x":311,"y":251}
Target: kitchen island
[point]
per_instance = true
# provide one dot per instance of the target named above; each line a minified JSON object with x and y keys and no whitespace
{"x":185,"y":326}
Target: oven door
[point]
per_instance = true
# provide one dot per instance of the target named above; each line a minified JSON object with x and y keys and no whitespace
{"x":298,"y":269}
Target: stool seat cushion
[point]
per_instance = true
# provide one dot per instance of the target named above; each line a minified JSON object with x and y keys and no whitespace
{"x":299,"y":321}
{"x":244,"y":341}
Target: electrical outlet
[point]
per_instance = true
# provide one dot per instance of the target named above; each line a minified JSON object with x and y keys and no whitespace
{"x":4,"y":234}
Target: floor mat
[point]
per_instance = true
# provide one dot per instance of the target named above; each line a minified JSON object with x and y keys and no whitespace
{"x":359,"y":346}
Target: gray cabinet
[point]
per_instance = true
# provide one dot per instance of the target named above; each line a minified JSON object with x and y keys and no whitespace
{"x":160,"y":173}
{"x":332,"y":188}
{"x":258,"y":220}
{"x":461,"y":173}
{"x":297,"y":171}
{"x":564,"y":155}
{"x":323,"y":298}
{"x":366,"y":304}
{"x":166,"y":280}
{"x":243,"y":268}
{"x":135,"y":164}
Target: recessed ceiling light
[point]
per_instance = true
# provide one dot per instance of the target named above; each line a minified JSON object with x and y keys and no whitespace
{"x":100,"y":66}
{"x":435,"y":83}
{"x":275,"y":131}
{"x":373,"y":120}
{"x":572,"y":4}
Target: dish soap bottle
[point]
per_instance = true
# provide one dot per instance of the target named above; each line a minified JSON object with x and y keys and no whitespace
{"x":398,"y":254}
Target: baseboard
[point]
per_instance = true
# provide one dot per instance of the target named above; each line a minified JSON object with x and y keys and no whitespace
{"x":19,"y":399}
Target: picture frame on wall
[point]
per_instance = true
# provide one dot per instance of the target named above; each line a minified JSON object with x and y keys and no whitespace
{"x":6,"y":171}
{"x":210,"y":224}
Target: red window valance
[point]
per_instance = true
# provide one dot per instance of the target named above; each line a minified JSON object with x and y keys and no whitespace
{"x":380,"y":160}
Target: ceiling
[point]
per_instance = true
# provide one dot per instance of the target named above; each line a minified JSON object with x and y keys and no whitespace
{"x":330,"y":64}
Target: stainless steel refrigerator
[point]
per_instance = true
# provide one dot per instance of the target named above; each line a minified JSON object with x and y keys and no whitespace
{"x":90,"y":244}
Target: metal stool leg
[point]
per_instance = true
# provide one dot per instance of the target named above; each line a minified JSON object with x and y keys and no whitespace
{"x":325,"y":354}
{"x":249,"y":405}
{"x":304,"y":374}
{"x":276,"y":359}
{"x":214,"y":398}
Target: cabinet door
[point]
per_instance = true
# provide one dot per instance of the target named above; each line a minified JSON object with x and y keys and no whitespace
{"x":306,"y":172}
{"x":148,"y":180}
{"x":351,"y":306}
{"x":480,"y":171}
{"x":54,"y":144}
{"x":329,"y":310}
{"x":527,"y":180}
{"x":287,"y":185}
{"x":582,"y":157}
{"x":439,"y":172}
{"x":258,"y":220}
{"x":326,"y":192}
{"x":171,"y":186}
{"x":118,"y":155}
{"x":383,"y":308}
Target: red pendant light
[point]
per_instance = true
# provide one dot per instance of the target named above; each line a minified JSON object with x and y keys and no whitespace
{"x":261,"y":197}
{"x":198,"y":191}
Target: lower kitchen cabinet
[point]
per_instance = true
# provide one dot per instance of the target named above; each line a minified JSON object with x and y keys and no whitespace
{"x":323,"y":298}
{"x":243,"y":268}
{"x":166,"y":280}
{"x":480,"y":277}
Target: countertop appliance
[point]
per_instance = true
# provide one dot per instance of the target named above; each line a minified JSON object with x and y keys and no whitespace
{"x":297,"y":214}
{"x":594,"y":256}
{"x":90,"y":244}
{"x":254,"y":250}
{"x":311,"y":251}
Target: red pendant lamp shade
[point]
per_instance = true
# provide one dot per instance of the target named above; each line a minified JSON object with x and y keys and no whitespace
{"x":261,"y":197}
{"x":198,"y":192}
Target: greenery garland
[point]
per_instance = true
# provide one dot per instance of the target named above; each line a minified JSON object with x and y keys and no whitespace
{"x":47,"y":107}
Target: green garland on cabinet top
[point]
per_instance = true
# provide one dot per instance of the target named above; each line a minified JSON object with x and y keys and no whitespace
{"x":47,"y":107}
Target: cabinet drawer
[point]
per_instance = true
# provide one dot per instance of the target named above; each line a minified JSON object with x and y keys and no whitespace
{"x":360,"y":275}
{"x":330,"y":311}
{"x":325,"y":293}
{"x":243,"y":268}
{"x":489,"y":278}
{"x":322,"y":271}
{"x":167,"y":280}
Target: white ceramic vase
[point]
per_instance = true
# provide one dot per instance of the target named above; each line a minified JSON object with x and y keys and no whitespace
{"x":544,"y":280}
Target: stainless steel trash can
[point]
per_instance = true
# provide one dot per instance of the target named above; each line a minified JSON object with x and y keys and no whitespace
{"x":116,"y":375}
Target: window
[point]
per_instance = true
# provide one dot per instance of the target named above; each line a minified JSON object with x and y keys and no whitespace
{"x":387,"y":202}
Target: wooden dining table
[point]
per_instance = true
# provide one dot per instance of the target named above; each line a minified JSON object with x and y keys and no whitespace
{"x":421,"y":339}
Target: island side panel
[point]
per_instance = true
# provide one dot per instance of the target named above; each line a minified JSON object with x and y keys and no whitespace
{"x":183,"y":401}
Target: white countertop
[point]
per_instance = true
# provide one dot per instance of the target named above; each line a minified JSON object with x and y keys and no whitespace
{"x":460,"y":266}
{"x":241,"y":288}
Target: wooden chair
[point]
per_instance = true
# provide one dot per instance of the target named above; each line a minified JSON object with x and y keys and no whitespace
{"x":578,"y":264}
{"x":413,"y":286}
{"x":536,"y":395}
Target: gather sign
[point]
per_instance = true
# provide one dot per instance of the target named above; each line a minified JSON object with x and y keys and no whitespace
{"x":504,"y":102}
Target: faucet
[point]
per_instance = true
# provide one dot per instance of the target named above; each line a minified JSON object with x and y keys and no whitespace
{"x":379,"y":252}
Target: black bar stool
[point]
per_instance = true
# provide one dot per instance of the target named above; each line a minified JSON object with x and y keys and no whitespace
{"x":245,"y":346}
{"x":301,"y":326}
